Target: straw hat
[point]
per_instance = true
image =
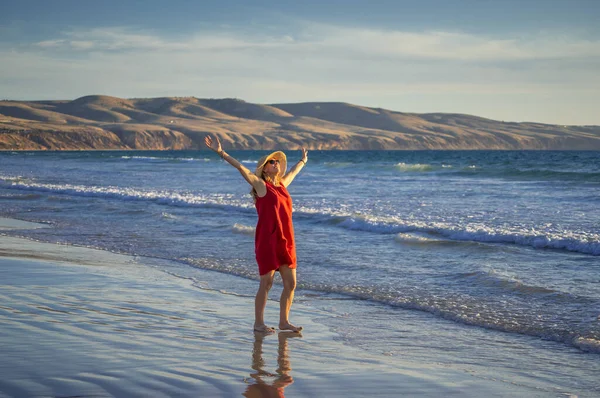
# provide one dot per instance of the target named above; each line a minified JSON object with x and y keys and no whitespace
{"x":275,"y":155}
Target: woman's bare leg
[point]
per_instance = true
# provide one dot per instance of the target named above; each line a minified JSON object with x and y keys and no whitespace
{"x":266,"y":281}
{"x":288,"y":277}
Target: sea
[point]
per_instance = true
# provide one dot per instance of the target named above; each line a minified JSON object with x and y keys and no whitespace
{"x":483,"y":261}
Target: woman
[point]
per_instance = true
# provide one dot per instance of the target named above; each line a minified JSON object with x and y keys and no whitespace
{"x":274,"y":238}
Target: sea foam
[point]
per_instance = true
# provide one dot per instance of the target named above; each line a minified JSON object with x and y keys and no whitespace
{"x":577,"y":241}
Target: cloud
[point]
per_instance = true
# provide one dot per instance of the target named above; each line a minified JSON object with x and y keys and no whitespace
{"x":314,"y":62}
{"x":457,"y":46}
{"x":341,"y":41}
{"x":51,"y":43}
{"x":123,"y":39}
{"x":319,"y":54}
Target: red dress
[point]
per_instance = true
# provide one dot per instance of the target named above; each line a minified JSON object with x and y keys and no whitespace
{"x":274,"y":238}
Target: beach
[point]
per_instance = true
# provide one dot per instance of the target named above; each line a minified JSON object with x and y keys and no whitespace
{"x":466,"y":273}
{"x":83,"y":322}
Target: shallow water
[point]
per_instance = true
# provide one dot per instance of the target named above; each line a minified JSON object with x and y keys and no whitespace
{"x":500,"y":247}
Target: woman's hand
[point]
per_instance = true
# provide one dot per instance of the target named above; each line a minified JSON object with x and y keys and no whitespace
{"x":215,"y":146}
{"x":289,"y":176}
{"x":304,"y":155}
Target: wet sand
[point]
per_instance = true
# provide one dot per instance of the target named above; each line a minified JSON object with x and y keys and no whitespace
{"x":83,"y":322}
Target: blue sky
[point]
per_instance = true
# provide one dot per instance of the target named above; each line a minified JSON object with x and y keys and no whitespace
{"x":527,"y":60}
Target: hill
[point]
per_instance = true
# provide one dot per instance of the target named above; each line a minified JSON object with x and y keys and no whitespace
{"x":104,"y":122}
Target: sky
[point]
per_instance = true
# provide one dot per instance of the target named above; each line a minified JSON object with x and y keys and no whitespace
{"x":525,"y":60}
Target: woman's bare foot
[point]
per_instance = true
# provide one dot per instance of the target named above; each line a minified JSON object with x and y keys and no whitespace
{"x":263,"y":329}
{"x":290,"y":327}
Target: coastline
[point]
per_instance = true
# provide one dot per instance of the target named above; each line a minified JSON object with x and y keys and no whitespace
{"x":172,"y":123}
{"x":79,"y":321}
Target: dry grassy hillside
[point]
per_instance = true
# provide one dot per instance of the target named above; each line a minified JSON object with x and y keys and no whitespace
{"x":104,"y":122}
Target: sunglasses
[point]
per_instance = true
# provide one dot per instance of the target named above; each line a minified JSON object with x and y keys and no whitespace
{"x":273,"y":161}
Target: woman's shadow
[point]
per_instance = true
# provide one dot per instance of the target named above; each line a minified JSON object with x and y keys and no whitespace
{"x":266,"y":384}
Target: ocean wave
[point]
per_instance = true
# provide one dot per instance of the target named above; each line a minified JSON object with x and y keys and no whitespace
{"x":503,"y":319}
{"x":243,"y":229}
{"x":587,"y":344}
{"x":476,"y":170}
{"x":507,"y":316}
{"x":168,"y":159}
{"x":162,"y":197}
{"x":401,"y":167}
{"x":339,"y":164}
{"x":530,"y":174}
{"x":415,"y":168}
{"x":11,"y":178}
{"x":417,"y":238}
{"x":169,"y":216}
{"x":397,"y":167}
{"x":505,"y":282}
{"x":576,"y":241}
{"x":31,"y":196}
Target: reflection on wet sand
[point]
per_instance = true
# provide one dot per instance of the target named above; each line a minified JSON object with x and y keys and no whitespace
{"x":266,"y":384}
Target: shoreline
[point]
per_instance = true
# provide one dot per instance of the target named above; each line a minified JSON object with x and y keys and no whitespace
{"x":81,"y":321}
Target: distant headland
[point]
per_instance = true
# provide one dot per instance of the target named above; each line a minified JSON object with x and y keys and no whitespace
{"x":98,"y":122}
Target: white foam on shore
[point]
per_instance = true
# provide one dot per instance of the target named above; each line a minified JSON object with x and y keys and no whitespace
{"x":543,"y":238}
{"x":162,"y":197}
{"x":10,"y":223}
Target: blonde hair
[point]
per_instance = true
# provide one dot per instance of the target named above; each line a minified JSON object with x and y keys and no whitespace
{"x":275,"y":181}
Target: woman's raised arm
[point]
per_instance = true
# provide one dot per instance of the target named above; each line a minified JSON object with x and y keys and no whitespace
{"x":289,"y":177}
{"x":257,"y":183}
